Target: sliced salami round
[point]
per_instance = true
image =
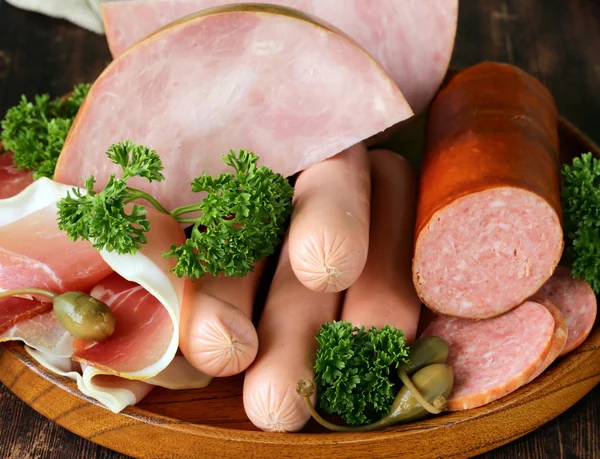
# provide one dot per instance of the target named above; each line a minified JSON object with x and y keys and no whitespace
{"x":576,"y":301}
{"x":494,"y":357}
{"x":561,"y":335}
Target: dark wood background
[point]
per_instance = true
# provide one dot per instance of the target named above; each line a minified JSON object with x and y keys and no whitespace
{"x":558,"y":41}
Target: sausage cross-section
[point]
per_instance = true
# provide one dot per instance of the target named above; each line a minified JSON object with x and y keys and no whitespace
{"x":488,"y":231}
{"x":494,"y":357}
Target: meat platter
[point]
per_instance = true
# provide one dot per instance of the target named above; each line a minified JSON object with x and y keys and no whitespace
{"x":211,"y":422}
{"x":375,"y":273}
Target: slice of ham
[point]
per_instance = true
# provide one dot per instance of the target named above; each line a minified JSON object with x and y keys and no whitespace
{"x":14,"y":310}
{"x":270,"y":80}
{"x":149,"y":354}
{"x":412,"y":40}
{"x":35,"y":253}
{"x":12,"y":180}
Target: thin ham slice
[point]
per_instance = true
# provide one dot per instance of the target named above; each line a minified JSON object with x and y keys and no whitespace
{"x":35,"y":253}
{"x":412,"y":40}
{"x":270,"y":80}
{"x":14,"y":310}
{"x":145,"y":344}
{"x":140,"y":319}
{"x":12,"y":180}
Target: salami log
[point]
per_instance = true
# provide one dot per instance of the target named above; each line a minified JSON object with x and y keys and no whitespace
{"x":488,"y":231}
{"x":576,"y":301}
{"x":492,"y":358}
{"x":271,"y":80}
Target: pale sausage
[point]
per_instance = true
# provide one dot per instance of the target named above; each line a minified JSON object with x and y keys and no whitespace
{"x":329,"y":231}
{"x":287,"y":331}
{"x":216,"y":332}
{"x":384,"y":293}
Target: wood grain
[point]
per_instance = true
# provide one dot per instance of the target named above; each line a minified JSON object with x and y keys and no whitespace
{"x":559,"y":44}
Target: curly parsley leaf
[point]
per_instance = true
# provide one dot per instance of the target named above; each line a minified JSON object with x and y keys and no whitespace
{"x":136,"y":160}
{"x":102,"y":218}
{"x":243,"y":219}
{"x":354,"y":370}
{"x":242,"y":216}
{"x":35,"y":131}
{"x":581,"y":217}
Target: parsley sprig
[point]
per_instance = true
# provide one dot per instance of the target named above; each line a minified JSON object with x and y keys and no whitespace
{"x":581,"y":217}
{"x":354,"y":370}
{"x":35,"y":131}
{"x":242,"y":217}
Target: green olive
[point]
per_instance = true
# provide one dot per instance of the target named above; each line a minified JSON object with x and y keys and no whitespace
{"x":425,"y":351}
{"x":433,"y":382}
{"x":83,"y":316}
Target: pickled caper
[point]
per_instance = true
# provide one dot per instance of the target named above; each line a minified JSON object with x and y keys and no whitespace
{"x":434,"y":382}
{"x":425,"y":351}
{"x":83,"y":316}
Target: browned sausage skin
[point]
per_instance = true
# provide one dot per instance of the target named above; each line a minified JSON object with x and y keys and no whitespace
{"x":488,"y":231}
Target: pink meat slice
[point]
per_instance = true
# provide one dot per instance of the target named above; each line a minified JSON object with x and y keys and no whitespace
{"x":494,"y":357}
{"x":142,"y":334}
{"x":283,"y":86}
{"x":14,"y":310}
{"x":35,"y":253}
{"x":12,"y":180}
{"x":576,"y":301}
{"x":412,"y":40}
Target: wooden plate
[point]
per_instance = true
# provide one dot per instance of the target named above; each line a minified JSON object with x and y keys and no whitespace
{"x":211,"y":422}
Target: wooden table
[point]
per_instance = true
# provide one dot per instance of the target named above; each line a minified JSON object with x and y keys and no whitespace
{"x":557,"y":41}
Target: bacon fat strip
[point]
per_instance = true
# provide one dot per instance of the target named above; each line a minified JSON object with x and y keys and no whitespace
{"x":576,"y":301}
{"x":384,"y":292}
{"x":329,"y":231}
{"x":488,"y":231}
{"x":217,"y":335}
{"x":494,"y":357}
{"x":287,"y":331}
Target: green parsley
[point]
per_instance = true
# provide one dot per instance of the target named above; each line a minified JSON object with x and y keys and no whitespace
{"x":581,"y":217}
{"x":35,"y":131}
{"x":242,"y":217}
{"x":354,"y":370}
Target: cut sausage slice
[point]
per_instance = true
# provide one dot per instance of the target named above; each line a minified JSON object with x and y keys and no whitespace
{"x":216,"y":332}
{"x":290,"y":321}
{"x":384,"y":293}
{"x":492,"y":358}
{"x":412,"y":40}
{"x":488,"y":231}
{"x":329,"y":231}
{"x":576,"y":301}
{"x":270,"y":80}
{"x":561,"y":334}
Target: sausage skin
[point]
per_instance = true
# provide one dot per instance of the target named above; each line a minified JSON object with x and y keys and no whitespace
{"x":329,"y":231}
{"x":384,"y":292}
{"x":290,"y":321}
{"x":216,"y":332}
{"x":488,"y":231}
